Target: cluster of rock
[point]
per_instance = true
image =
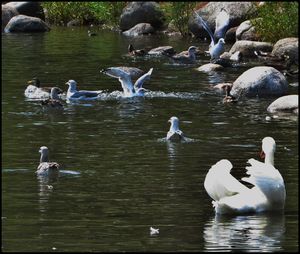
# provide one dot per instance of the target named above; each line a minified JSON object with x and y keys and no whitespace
{"x":23,"y":17}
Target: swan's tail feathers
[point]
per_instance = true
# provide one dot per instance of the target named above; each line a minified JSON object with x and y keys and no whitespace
{"x":219,"y":183}
{"x":268,"y":180}
{"x":206,"y":27}
{"x":139,"y":83}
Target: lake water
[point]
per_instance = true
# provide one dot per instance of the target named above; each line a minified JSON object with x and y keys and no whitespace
{"x":119,"y":176}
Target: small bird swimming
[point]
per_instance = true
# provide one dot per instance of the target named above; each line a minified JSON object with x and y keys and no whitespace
{"x":189,"y":58}
{"x":124,"y":77}
{"x":222,"y":22}
{"x":35,"y":91}
{"x":53,"y":102}
{"x":45,"y":167}
{"x":174,"y":134}
{"x":228,"y":98}
{"x":91,"y":33}
{"x":73,"y":94}
{"x":135,"y":52}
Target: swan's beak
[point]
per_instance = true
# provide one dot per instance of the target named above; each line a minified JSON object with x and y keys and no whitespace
{"x":262,"y":155}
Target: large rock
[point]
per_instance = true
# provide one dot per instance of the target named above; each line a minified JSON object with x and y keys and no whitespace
{"x":237,"y":11}
{"x":140,"y":29}
{"x":7,"y":13}
{"x":287,"y":103}
{"x":141,"y":12}
{"x":32,"y":9}
{"x":22,"y":23}
{"x":260,"y":81}
{"x":247,"y":48}
{"x":246,"y":31}
{"x":287,"y":46}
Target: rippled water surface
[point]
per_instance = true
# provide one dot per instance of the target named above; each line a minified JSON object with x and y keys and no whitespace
{"x":120,"y":176}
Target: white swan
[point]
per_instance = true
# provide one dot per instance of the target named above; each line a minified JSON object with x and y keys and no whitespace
{"x":45,"y":167}
{"x":231,"y":196}
{"x":222,"y":22}
{"x":73,"y":94}
{"x":174,"y":133}
{"x":129,"y":89}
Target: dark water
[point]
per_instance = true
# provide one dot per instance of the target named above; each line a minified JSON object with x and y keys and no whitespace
{"x":119,"y":176}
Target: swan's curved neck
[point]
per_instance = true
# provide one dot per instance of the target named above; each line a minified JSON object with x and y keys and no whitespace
{"x":269,"y":158}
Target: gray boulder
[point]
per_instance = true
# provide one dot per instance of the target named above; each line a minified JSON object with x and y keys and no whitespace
{"x":287,"y":46}
{"x":22,"y":23}
{"x":237,"y":11}
{"x":287,"y":103}
{"x":163,"y":50}
{"x":7,"y":13}
{"x":33,"y":9}
{"x":247,"y":48}
{"x":140,"y":29}
{"x":246,"y":31}
{"x":141,"y":12}
{"x":210,"y":67}
{"x":260,"y":81}
{"x":230,"y":34}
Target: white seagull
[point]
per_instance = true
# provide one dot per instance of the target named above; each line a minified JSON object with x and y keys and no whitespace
{"x":222,"y":22}
{"x":231,"y":196}
{"x":45,"y":167}
{"x":174,"y":133}
{"x":124,"y":77}
{"x":73,"y":94}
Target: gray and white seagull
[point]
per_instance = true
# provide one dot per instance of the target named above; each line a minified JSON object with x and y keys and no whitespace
{"x":129,"y":89}
{"x":222,"y":23}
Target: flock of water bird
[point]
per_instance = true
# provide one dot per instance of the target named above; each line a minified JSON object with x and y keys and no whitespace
{"x":229,"y":194}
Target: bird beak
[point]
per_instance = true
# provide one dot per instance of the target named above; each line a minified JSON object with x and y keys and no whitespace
{"x":67,"y":83}
{"x":169,"y":120}
{"x":29,"y":82}
{"x":262,"y":155}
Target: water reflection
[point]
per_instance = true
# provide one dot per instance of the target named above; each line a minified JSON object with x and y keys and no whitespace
{"x":261,"y":232}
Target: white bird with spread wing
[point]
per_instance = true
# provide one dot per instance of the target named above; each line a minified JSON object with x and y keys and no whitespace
{"x":222,"y":23}
{"x":124,"y":77}
{"x":231,"y":196}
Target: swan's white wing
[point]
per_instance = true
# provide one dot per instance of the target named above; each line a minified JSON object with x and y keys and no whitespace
{"x":206,"y":27}
{"x":139,"y":83}
{"x":268,"y":180}
{"x":222,"y":23}
{"x":219,"y":183}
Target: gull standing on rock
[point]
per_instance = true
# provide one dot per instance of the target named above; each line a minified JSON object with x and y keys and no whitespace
{"x":45,"y":167}
{"x":124,"y":77}
{"x":73,"y":94}
{"x":174,"y":133}
{"x":222,"y":22}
